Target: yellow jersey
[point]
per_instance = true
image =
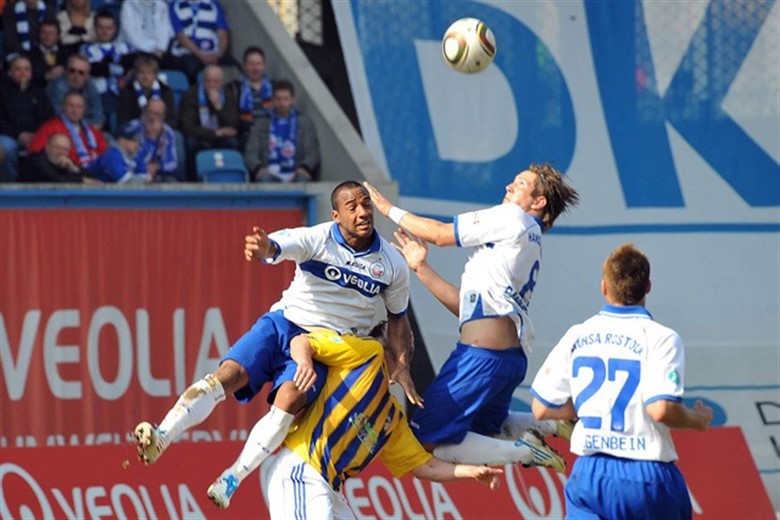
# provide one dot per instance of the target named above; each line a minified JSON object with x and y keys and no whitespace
{"x":355,"y":417}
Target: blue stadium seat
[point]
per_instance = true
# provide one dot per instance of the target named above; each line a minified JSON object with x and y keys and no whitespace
{"x":221,"y":165}
{"x":175,"y":79}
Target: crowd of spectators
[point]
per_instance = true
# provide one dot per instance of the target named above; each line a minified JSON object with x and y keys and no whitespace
{"x":84,"y":96}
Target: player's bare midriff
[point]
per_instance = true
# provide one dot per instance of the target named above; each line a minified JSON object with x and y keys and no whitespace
{"x":497,"y":333}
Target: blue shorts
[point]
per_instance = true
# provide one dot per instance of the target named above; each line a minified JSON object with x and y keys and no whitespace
{"x":602,"y":486}
{"x":472,"y":392}
{"x":264,"y":352}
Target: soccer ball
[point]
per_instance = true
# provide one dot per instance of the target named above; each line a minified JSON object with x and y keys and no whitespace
{"x":468,"y":45}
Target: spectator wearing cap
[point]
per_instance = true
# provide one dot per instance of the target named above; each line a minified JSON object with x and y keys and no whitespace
{"x":77,"y":78}
{"x":21,"y":24}
{"x":23,"y":108}
{"x":118,"y":164}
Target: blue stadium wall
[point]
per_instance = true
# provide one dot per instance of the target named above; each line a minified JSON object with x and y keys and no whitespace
{"x":665,"y":118}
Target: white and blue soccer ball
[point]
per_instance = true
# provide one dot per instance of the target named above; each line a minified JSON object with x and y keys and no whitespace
{"x":468,"y":45}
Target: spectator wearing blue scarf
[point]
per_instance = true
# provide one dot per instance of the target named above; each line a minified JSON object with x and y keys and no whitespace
{"x":253,"y":90}
{"x":208,"y":117}
{"x":283,"y":146}
{"x":21,"y":24}
{"x":157,"y":154}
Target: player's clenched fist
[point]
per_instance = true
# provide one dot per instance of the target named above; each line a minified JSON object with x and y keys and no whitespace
{"x":257,"y":246}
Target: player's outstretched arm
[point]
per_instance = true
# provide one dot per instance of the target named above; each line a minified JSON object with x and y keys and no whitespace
{"x":258,"y":246}
{"x":677,"y":415}
{"x":415,"y":252}
{"x":428,"y":229}
{"x":439,"y":471}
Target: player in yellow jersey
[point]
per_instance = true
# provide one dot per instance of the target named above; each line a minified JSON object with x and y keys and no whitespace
{"x":354,"y":419}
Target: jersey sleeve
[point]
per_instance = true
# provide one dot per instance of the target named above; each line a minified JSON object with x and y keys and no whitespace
{"x":664,"y":370}
{"x":396,"y":296}
{"x":403,"y":452}
{"x":494,"y":224}
{"x":297,"y":244}
{"x":551,"y":385}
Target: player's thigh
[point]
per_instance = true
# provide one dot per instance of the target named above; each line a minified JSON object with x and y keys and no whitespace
{"x":472,"y":383}
{"x":260,"y":351}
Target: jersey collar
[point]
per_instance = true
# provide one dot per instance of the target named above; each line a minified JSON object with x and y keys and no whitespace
{"x":538,"y":221}
{"x":376,"y":244}
{"x":625,"y":311}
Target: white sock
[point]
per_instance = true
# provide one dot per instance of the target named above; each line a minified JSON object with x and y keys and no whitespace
{"x":193,"y":407}
{"x":480,"y":449}
{"x":518,"y":422}
{"x":267,"y":434}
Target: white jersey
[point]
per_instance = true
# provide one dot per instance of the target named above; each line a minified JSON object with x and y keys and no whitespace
{"x":499,"y":278}
{"x":612,"y":366}
{"x":335,"y":286}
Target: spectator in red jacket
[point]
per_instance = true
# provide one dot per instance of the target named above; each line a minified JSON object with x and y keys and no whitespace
{"x":87,"y":142}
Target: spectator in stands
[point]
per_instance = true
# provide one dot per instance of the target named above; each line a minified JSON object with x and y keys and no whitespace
{"x":54,"y":163}
{"x":110,"y":60}
{"x":282,"y":145}
{"x":23,"y":108}
{"x":77,"y":78}
{"x":157,"y":153}
{"x":118,"y":163}
{"x":48,"y":57}
{"x":200,"y":36}
{"x":146,"y":26}
{"x":87,"y":142}
{"x":77,"y":24}
{"x":253,"y":91}
{"x":136,"y":94}
{"x":21,"y":25}
{"x":209,"y":116}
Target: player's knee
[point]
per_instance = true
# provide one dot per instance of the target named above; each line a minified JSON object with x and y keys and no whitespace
{"x":232,"y":376}
{"x":289,"y":398}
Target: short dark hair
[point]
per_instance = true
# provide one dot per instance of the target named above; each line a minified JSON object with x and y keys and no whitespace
{"x":253,"y":49}
{"x":284,"y":84}
{"x":627,"y":274}
{"x":344,"y":186}
{"x":50,"y":21}
{"x":105,"y":13}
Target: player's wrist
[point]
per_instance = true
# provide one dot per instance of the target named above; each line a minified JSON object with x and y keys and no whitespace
{"x":396,"y":214}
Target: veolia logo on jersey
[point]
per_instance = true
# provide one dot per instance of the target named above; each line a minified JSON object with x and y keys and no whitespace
{"x":332,"y":273}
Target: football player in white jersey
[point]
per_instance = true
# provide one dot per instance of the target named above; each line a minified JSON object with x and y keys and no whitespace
{"x":621,"y":373}
{"x":343,"y":268}
{"x":467,"y":417}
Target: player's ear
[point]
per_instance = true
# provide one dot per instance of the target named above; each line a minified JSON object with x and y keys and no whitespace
{"x":604,"y":287}
{"x":335,"y":215}
{"x":539,"y":203}
{"x":649,"y":286}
